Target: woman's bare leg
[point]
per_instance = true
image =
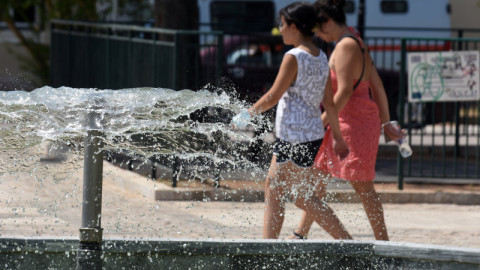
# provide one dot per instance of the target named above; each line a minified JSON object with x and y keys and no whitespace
{"x":311,"y":201}
{"x":373,"y":207}
{"x":274,"y":202}
{"x":325,"y":217}
{"x":303,"y":227}
{"x":306,"y":222}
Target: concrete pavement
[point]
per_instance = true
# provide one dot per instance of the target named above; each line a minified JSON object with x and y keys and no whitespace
{"x":43,"y":199}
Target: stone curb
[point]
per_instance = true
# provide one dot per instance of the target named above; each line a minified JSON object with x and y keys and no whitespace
{"x":181,"y":194}
{"x":158,"y":191}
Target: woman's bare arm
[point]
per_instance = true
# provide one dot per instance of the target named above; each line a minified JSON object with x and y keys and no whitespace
{"x":380,"y":97}
{"x":286,"y":75}
{"x":340,"y":146}
{"x":346,"y":53}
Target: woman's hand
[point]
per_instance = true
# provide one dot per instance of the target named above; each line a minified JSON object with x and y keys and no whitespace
{"x":241,"y":120}
{"x":341,"y":148}
{"x":392,"y":132}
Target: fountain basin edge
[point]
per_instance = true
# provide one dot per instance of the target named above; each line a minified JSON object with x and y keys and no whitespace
{"x":60,"y":253}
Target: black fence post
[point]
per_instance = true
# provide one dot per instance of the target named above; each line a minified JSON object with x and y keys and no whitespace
{"x":401,"y":103}
{"x":175,"y":171}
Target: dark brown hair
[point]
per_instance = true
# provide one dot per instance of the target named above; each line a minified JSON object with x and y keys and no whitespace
{"x":330,"y":9}
{"x":302,"y":14}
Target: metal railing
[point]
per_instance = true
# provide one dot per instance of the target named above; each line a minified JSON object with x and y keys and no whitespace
{"x":444,"y":135}
{"x":114,"y":56}
{"x":447,"y":140}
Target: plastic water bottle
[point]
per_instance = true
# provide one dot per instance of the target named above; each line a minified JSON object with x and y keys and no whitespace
{"x":403,"y":147}
{"x":242,"y":119}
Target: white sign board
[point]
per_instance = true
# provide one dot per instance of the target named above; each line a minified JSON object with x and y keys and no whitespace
{"x":443,"y":76}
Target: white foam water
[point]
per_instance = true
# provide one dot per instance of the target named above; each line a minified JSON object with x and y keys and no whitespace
{"x":141,"y":121}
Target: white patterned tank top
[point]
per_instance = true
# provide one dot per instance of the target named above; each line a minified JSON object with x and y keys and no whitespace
{"x":298,"y":118}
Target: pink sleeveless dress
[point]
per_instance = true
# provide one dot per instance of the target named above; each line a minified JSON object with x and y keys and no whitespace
{"x":360,"y":126}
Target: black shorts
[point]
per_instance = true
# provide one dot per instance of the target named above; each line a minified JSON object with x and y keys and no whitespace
{"x":301,"y":154}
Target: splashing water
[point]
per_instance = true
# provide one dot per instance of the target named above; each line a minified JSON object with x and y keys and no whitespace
{"x":145,"y":121}
{"x":42,"y":137}
{"x":140,"y":121}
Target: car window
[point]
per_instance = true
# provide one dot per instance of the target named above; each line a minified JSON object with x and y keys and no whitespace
{"x":256,"y":54}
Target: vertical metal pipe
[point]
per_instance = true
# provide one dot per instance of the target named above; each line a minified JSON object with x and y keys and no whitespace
{"x":477,"y":156}
{"x":53,"y":64}
{"x":175,"y":171}
{"x":218,"y":68}
{"x":466,"y":116}
{"x":89,"y":255}
{"x":154,"y":171}
{"x":361,"y":18}
{"x":457,"y":122}
{"x":129,"y":68}
{"x":176,"y":59}
{"x":154,"y":67}
{"x":401,"y":101}
{"x":456,"y":149}
{"x":106,"y":79}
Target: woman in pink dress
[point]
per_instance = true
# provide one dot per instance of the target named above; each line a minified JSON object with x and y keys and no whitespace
{"x":362,"y":106}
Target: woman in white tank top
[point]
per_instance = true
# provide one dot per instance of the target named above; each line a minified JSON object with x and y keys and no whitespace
{"x":302,"y":83}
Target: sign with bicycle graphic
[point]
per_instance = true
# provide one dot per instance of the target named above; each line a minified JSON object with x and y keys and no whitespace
{"x":443,"y":76}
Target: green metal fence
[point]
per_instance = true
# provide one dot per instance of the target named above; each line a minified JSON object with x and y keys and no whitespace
{"x":446,"y":137}
{"x":443,"y":135}
{"x":112,"y":56}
